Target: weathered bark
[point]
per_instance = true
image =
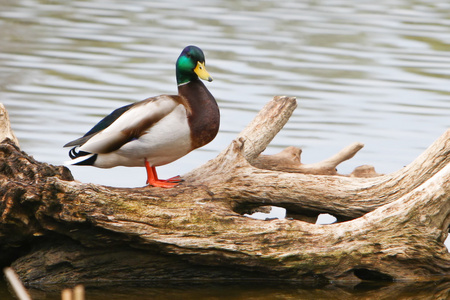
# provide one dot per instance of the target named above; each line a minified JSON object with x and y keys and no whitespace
{"x":55,"y":229}
{"x":5,"y":127}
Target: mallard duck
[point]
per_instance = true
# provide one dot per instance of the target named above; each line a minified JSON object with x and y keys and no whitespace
{"x":155,"y":131}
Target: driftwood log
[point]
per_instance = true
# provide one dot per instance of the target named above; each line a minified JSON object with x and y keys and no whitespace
{"x":54,"y":229}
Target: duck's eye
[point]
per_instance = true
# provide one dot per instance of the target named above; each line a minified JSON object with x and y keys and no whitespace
{"x":188,"y":55}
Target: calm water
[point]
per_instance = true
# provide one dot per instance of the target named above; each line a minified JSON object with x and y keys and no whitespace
{"x":373,"y":72}
{"x":256,"y":291}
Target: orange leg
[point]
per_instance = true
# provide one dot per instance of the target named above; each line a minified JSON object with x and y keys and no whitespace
{"x":152,"y":178}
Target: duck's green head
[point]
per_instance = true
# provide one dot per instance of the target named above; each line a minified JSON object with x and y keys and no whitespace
{"x":191,"y":65}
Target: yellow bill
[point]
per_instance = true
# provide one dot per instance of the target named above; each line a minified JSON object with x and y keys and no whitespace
{"x":201,"y":72}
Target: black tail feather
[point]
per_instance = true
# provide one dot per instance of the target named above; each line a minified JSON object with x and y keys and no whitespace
{"x":73,"y":153}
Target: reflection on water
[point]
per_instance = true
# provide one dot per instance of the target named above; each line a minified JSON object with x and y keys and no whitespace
{"x":260,"y":291}
{"x":374,"y":72}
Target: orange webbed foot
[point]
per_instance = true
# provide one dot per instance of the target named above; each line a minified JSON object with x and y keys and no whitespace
{"x":175,"y":179}
{"x":152,"y":178}
{"x":162,"y":183}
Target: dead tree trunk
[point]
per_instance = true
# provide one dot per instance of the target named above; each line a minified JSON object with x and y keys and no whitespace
{"x":54,"y":229}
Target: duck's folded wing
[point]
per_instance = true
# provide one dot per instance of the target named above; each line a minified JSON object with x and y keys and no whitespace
{"x":104,"y":123}
{"x":129,"y":125}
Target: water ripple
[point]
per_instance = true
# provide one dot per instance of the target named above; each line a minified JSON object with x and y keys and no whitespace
{"x":362,"y":71}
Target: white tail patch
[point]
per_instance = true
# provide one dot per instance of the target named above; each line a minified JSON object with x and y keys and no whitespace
{"x":78,"y":159}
